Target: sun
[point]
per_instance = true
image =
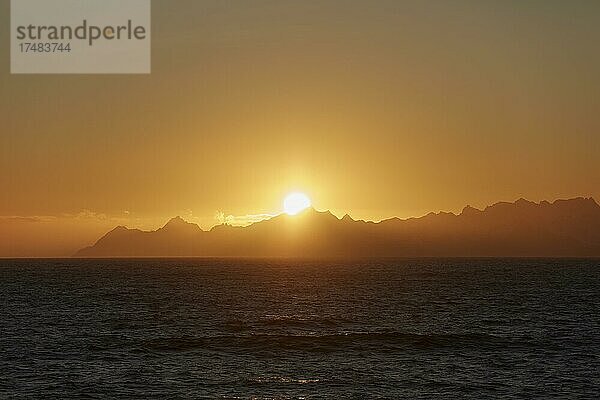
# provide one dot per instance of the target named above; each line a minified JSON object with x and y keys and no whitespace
{"x":295,"y":202}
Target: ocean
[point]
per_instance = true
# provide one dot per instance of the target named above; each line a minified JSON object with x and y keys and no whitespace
{"x":300,"y":329}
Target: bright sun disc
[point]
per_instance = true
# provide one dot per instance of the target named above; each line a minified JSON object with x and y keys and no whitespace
{"x":295,"y":202}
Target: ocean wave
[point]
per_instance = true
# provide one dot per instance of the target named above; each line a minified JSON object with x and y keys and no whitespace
{"x":284,"y":322}
{"x":287,"y":321}
{"x":265,"y":343}
{"x":281,"y":379}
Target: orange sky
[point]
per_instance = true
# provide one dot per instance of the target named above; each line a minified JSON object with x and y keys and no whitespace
{"x":375,"y":108}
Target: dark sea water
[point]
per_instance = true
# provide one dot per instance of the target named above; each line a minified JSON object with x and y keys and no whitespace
{"x":255,"y":329}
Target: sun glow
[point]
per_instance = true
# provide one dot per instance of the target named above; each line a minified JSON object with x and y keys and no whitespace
{"x":296,"y":202}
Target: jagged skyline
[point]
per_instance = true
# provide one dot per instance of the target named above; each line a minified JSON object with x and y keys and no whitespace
{"x":47,"y":232}
{"x":348,"y":216}
{"x":566,"y":228}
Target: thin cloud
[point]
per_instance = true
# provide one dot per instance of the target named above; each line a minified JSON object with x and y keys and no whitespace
{"x":241,"y":220}
{"x":16,"y":219}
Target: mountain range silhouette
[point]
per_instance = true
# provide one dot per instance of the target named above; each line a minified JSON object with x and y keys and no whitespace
{"x":563,"y":228}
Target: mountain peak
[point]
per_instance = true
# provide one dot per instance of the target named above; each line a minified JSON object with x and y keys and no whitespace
{"x":468,"y":210}
{"x":347,"y":218}
{"x":524,"y":202}
{"x":311,"y":212}
{"x":587,"y":203}
{"x":178,"y":223}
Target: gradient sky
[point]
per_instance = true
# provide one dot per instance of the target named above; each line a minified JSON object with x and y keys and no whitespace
{"x":375,"y":108}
